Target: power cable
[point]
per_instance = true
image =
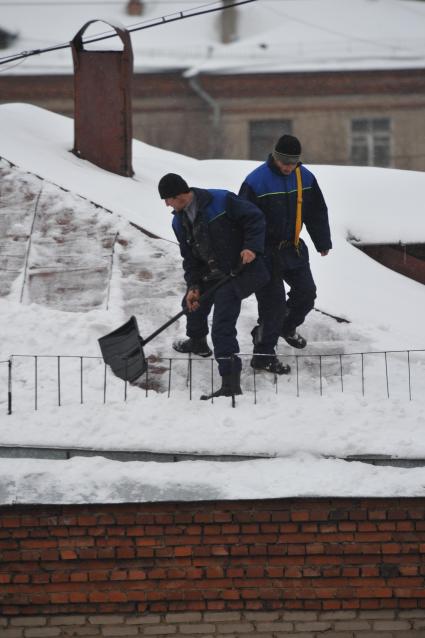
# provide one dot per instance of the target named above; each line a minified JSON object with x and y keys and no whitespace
{"x":155,"y":22}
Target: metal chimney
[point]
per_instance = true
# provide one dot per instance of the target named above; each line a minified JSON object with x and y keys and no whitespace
{"x":102,"y":97}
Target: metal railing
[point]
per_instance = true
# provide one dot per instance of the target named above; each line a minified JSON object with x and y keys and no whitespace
{"x":36,"y":381}
{"x":8,"y":363}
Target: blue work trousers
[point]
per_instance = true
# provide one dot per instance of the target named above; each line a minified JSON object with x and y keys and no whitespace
{"x":227,"y":306}
{"x":278,"y":315}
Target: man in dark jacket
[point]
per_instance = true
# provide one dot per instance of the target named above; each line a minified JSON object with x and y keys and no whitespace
{"x":289,"y":196}
{"x":217,"y":232}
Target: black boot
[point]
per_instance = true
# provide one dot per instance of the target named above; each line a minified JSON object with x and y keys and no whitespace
{"x":257,"y":334}
{"x":294,"y":339}
{"x":269,"y":364}
{"x":195,"y":346}
{"x":230,"y":387}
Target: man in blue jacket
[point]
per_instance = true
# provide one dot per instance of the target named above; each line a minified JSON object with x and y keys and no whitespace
{"x":289,"y":196}
{"x":217,"y":232}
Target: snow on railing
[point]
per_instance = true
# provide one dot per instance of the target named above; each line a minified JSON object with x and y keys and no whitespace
{"x":41,"y":381}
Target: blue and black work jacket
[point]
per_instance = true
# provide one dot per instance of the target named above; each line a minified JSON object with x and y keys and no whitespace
{"x":224,"y":225}
{"x":276,"y":195}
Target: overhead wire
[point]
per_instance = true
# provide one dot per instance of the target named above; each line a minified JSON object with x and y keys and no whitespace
{"x":154,"y":22}
{"x":12,"y":65}
{"x":348,"y":36}
{"x":56,"y":3}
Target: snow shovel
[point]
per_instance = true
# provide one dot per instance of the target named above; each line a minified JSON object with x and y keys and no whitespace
{"x":122,"y":349}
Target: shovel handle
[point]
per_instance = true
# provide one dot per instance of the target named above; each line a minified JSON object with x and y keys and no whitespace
{"x":202,"y":298}
{"x":143,"y":342}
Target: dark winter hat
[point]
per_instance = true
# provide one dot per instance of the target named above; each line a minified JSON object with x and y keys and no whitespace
{"x":287,"y":149}
{"x":172,"y":185}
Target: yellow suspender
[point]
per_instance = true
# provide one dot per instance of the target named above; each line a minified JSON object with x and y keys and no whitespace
{"x":298,"y":219}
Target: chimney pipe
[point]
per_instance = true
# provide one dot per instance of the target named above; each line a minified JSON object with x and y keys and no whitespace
{"x":229,"y":20}
{"x":135,"y":7}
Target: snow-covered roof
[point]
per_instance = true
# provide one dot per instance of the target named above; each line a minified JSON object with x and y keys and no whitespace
{"x":385,"y":310}
{"x":328,"y":35}
{"x":290,"y":35}
{"x":362,"y":201}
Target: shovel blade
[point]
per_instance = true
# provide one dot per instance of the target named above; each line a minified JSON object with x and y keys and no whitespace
{"x":122,"y":351}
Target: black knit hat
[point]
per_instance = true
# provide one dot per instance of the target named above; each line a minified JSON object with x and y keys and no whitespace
{"x":172,"y":185}
{"x":287,"y":149}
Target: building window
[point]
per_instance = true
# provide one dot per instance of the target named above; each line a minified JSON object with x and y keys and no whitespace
{"x":263,"y":134}
{"x":371,"y":142}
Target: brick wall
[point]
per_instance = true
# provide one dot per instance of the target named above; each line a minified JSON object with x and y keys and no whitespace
{"x":250,"y":556}
{"x":164,"y":85}
{"x":225,"y":624}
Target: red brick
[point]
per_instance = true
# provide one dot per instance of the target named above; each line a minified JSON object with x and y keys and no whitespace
{"x":396,"y":514}
{"x":128,"y":552}
{"x":235,"y":529}
{"x":38,"y":543}
{"x":217,"y":572}
{"x":136,"y":574}
{"x":183,"y":551}
{"x":409,"y":592}
{"x":391,"y":548}
{"x":10,"y":521}
{"x":163,"y":519}
{"x":300,"y":515}
{"x":288,"y":528}
{"x":86,"y":520}
{"x":369,"y":571}
{"x":67,"y":554}
{"x":125,"y":519}
{"x":280,"y":516}
{"x":117,"y":597}
{"x":416,"y":514}
{"x":59,"y":598}
{"x":331,"y":605}
{"x":79,"y":577}
{"x":105,"y":519}
{"x":59,"y":577}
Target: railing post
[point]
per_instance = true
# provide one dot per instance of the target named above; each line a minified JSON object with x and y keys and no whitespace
{"x":59,"y":381}
{"x":9,"y":386}
{"x":35,"y":382}
{"x":232,"y":373}
{"x":408,"y":368}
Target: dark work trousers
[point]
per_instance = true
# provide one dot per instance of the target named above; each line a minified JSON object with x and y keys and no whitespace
{"x":300,"y":298}
{"x":271,"y":312}
{"x":275,"y":314}
{"x":227,"y":306}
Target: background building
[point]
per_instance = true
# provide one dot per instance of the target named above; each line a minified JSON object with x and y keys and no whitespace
{"x":346,"y":76}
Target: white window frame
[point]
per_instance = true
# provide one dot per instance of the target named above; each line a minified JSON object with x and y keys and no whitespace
{"x":370,"y":139}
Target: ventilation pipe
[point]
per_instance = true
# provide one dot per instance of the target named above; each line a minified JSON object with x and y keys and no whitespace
{"x":134,"y":7}
{"x":228,"y":22}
